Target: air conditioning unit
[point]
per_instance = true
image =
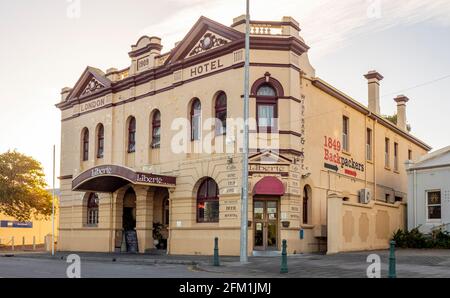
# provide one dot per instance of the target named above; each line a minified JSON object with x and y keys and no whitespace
{"x":365,"y":196}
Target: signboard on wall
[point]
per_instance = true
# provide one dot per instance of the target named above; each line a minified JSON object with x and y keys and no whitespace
{"x":335,"y":161}
{"x":16,"y":224}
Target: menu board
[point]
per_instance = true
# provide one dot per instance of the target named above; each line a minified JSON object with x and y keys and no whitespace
{"x":131,"y":241}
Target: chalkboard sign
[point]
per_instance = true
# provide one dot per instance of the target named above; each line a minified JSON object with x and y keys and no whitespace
{"x":131,"y":241}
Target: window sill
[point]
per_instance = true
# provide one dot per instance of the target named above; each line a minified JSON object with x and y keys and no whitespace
{"x":90,"y":226}
{"x":387,"y":168}
{"x":346,"y":153}
{"x":370,"y":161}
{"x":396,"y":171}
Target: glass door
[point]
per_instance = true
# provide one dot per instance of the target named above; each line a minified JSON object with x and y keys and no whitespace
{"x":265,"y":215}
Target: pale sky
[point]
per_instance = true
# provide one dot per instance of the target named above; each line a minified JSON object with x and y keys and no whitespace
{"x":46,"y":44}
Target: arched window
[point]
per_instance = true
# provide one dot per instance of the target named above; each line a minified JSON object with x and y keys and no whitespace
{"x":100,"y":141}
{"x":266,"y":108}
{"x":85,"y":144}
{"x":221,"y":114}
{"x":132,"y":135}
{"x":196,"y":112}
{"x":92,"y":209}
{"x":208,"y":201}
{"x":156,"y":130}
{"x":306,"y":205}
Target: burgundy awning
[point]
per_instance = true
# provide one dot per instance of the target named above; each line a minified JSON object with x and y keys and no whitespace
{"x":269,"y":186}
{"x":109,"y":178}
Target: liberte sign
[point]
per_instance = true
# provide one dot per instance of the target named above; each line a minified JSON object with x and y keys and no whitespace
{"x":109,"y":174}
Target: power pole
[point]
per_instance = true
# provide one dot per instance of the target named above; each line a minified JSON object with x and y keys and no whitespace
{"x":244,"y":195}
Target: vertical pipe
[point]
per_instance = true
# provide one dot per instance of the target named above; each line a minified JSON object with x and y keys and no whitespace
{"x":23,"y":243}
{"x":12,"y":243}
{"x":53,"y":203}
{"x":244,"y":196}
{"x":34,"y":242}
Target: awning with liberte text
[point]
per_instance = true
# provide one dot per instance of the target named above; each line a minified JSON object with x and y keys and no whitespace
{"x":109,"y":178}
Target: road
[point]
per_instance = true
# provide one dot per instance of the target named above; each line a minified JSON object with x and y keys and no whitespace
{"x":17,"y":267}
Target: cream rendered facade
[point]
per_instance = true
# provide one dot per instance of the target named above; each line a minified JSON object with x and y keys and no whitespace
{"x":310,"y":114}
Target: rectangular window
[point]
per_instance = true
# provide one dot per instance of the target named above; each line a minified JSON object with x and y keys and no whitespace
{"x":345,"y":133}
{"x":410,"y":157}
{"x":266,"y":117}
{"x":395,"y":156}
{"x":434,"y":205}
{"x":387,"y":151}
{"x":369,"y":144}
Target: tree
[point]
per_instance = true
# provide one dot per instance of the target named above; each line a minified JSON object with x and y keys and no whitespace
{"x":23,"y":193}
{"x":393,"y":119}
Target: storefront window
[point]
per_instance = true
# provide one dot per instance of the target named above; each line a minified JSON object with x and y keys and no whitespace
{"x":208,"y":201}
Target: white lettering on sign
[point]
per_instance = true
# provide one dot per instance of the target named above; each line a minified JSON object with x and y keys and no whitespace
{"x":268,"y":168}
{"x":146,"y":179}
{"x":101,"y":171}
{"x":92,"y":105}
{"x":205,"y":68}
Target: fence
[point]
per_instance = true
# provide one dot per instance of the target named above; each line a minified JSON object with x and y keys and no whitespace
{"x":19,"y":244}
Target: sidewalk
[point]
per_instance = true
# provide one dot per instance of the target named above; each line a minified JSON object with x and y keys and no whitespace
{"x":410,"y":263}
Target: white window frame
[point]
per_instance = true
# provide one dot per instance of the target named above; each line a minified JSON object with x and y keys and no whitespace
{"x":432,"y":220}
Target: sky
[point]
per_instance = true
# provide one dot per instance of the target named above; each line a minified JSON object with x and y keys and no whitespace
{"x":46,"y":44}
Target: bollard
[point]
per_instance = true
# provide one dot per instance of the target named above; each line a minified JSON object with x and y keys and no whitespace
{"x":392,"y":267}
{"x":34,"y":242}
{"x":12,"y":243}
{"x":216,"y":252}
{"x":284,"y":265}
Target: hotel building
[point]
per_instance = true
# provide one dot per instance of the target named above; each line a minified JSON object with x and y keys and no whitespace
{"x":141,"y":159}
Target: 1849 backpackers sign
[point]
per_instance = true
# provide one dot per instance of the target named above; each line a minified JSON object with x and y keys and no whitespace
{"x":109,"y":178}
{"x":334,"y":160}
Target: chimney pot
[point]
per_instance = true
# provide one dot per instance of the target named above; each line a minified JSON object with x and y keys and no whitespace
{"x":401,"y":101}
{"x":374,"y":79}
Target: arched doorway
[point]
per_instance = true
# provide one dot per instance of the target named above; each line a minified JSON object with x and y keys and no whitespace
{"x":129,"y":211}
{"x":266,"y":213}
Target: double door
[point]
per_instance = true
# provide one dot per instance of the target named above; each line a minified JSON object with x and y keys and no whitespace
{"x":265,"y":216}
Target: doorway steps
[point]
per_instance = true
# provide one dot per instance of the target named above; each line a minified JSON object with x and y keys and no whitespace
{"x":266,"y":253}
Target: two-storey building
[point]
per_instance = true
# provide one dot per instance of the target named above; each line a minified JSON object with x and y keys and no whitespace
{"x":154,"y":151}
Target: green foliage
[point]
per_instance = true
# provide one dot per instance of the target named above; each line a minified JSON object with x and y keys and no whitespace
{"x":393,"y":119}
{"x":23,"y":191}
{"x":416,"y":239}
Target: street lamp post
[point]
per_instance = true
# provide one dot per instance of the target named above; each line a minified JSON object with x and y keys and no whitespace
{"x":244,"y":195}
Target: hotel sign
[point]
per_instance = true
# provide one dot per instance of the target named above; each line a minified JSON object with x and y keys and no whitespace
{"x":205,"y":68}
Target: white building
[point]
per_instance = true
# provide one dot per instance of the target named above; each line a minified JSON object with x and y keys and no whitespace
{"x":429,"y":191}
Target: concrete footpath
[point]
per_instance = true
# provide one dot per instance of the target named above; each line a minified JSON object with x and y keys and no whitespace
{"x":410,"y":263}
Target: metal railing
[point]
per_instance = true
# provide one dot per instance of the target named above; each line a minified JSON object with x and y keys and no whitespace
{"x":7,"y":244}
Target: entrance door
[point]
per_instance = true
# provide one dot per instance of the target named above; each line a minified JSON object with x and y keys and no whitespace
{"x":265,"y":215}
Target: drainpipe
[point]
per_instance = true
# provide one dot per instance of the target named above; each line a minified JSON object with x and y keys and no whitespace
{"x":415,"y":198}
{"x":111,"y":224}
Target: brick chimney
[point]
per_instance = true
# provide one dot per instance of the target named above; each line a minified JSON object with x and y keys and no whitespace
{"x":374,"y":79}
{"x":401,"y":101}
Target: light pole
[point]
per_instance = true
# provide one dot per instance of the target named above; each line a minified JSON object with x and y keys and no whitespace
{"x":53,"y":203}
{"x":244,"y":195}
